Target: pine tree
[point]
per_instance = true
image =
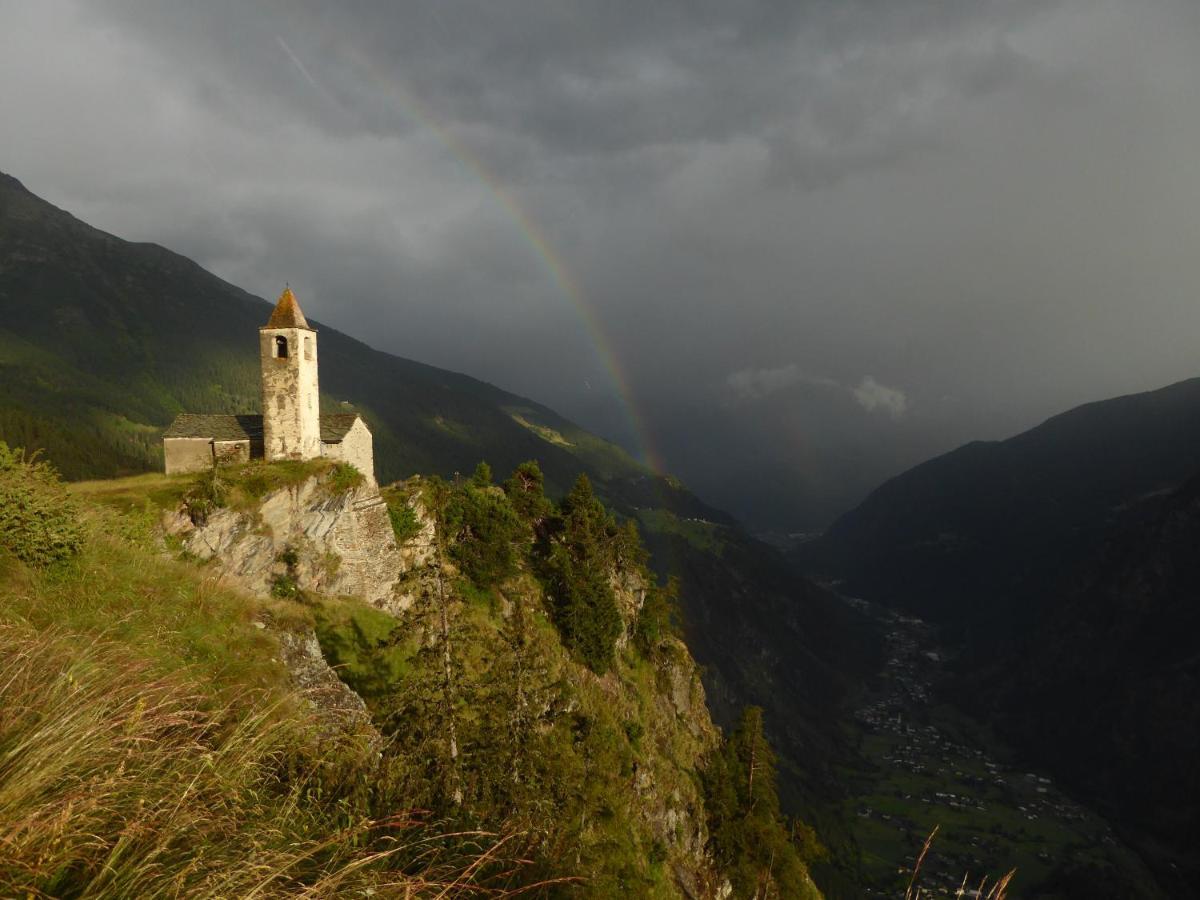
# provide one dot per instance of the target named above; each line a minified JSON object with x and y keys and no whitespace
{"x":748,"y":835}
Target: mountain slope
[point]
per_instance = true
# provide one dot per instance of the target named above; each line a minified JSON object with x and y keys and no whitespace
{"x":103,"y":341}
{"x":1105,"y":692}
{"x":1067,"y":561}
{"x":118,"y":337}
{"x":992,"y":520}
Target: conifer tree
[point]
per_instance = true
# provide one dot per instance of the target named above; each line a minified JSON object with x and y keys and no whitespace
{"x":526,"y":491}
{"x":747,"y":833}
{"x":576,"y":572}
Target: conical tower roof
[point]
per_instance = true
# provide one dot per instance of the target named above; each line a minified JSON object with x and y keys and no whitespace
{"x":287,"y":313}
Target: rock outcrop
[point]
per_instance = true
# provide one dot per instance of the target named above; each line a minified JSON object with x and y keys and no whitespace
{"x":327,"y":543}
{"x":324,"y":541}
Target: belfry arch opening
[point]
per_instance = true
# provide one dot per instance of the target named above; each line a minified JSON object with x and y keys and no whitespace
{"x":281,"y":347}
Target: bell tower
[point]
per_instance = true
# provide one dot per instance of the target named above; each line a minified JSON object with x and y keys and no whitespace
{"x":287,"y":349}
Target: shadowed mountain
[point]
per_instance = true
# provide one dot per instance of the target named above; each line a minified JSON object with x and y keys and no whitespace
{"x":1103,"y":689}
{"x":991,"y":524}
{"x":1067,"y":560}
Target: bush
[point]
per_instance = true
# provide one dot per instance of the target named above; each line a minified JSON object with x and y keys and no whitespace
{"x":344,"y":478}
{"x":658,"y":618}
{"x":209,"y":492}
{"x":39,"y":523}
{"x":526,"y":491}
{"x":404,"y":520}
{"x":482,"y":527}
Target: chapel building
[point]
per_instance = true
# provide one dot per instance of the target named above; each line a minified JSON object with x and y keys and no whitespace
{"x":291,"y":426}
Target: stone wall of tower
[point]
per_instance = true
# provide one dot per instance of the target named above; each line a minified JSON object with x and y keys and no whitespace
{"x":291,"y":396}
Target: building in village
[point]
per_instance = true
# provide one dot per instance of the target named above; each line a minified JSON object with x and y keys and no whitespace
{"x":291,"y":425}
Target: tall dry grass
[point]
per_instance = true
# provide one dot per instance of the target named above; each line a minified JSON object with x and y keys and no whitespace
{"x":117,"y":781}
{"x":985,"y":890}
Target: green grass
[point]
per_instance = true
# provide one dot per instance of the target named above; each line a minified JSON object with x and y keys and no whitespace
{"x":119,"y":589}
{"x":545,"y":432}
{"x":704,"y":536}
{"x":151,"y":744}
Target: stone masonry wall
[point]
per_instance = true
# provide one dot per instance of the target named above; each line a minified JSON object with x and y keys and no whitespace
{"x":356,"y":448}
{"x":187,"y":454}
{"x":291,"y":395}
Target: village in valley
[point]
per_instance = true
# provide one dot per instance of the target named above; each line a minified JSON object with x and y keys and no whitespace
{"x":924,"y":765}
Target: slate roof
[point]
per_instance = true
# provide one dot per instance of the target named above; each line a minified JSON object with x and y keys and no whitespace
{"x":334,"y":427}
{"x":216,"y":428}
{"x":287,"y":313}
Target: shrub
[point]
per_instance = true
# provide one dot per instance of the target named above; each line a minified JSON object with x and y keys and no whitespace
{"x":658,"y":617}
{"x":526,"y":491}
{"x":482,"y":476}
{"x":286,"y":586}
{"x":209,"y":492}
{"x":39,"y":523}
{"x":344,"y":478}
{"x":482,"y":527}
{"x":404,"y":520}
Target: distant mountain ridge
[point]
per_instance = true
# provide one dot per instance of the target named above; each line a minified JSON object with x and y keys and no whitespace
{"x":1066,"y":560}
{"x":991,"y":518}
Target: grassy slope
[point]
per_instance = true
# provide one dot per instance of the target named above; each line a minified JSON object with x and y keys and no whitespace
{"x":144,"y":715}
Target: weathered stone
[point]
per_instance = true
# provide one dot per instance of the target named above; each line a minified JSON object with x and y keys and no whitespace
{"x":343,"y":543}
{"x":334,"y":702}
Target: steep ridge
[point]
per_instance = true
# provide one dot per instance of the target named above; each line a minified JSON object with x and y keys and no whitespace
{"x":235,"y":724}
{"x":103,"y":341}
{"x":979,"y":535}
{"x":1104,"y":694}
{"x":311,"y":539}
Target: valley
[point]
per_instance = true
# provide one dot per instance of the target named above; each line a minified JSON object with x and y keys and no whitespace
{"x":924,"y":765}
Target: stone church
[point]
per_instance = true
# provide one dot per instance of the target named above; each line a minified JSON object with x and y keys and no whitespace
{"x":291,"y":426}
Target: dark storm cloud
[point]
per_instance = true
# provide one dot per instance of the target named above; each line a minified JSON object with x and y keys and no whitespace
{"x":823,"y":238}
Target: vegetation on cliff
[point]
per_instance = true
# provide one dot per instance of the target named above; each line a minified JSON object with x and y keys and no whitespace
{"x":540,"y":677}
{"x":153,"y":744}
{"x":103,"y":341}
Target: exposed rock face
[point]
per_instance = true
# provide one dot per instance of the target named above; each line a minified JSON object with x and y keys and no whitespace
{"x":335,"y":703}
{"x":337,"y":543}
{"x":678,"y":817}
{"x":629,"y":589}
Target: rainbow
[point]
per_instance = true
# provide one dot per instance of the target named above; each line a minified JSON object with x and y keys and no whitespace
{"x":569,"y":287}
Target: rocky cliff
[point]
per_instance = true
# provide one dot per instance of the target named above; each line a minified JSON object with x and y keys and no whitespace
{"x":387,"y":600}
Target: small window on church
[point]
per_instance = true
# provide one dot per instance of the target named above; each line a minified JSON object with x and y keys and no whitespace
{"x":308,"y":348}
{"x":280,"y":347}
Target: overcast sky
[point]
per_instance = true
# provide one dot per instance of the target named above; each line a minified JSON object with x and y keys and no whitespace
{"x":822,"y":240}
